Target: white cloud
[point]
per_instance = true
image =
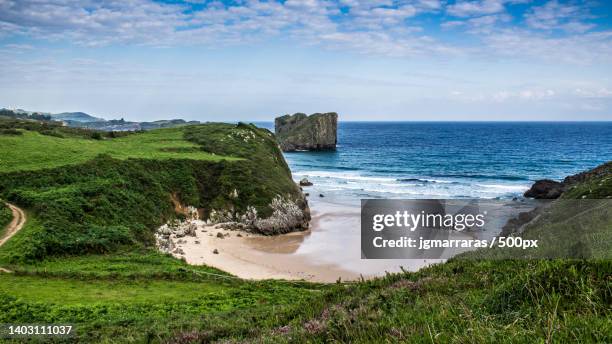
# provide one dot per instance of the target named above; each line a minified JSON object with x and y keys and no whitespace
{"x":599,"y":93}
{"x":579,"y":49}
{"x":475,"y":8}
{"x":381,"y":27}
{"x":554,"y":15}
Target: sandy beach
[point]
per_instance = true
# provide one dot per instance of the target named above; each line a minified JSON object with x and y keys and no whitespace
{"x":328,"y":251}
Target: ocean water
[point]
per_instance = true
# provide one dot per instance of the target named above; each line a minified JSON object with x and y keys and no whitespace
{"x":448,"y":159}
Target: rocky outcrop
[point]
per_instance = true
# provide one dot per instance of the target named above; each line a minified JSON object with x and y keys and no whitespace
{"x":165,"y":235}
{"x":305,"y":182}
{"x":300,"y":132}
{"x":545,"y":189}
{"x":288,"y":215}
{"x":550,"y":189}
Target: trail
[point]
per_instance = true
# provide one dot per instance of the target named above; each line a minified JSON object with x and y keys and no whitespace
{"x":16,"y":224}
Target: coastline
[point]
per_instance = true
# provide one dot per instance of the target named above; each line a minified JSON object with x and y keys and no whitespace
{"x":319,"y":254}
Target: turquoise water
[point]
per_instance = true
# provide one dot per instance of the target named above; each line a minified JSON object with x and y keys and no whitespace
{"x":449,"y":159}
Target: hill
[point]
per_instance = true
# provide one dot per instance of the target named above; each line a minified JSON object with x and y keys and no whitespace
{"x":99,"y":194}
{"x":75,"y":117}
{"x":86,"y":121}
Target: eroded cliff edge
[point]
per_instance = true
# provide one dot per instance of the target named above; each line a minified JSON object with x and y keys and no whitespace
{"x":299,"y":132}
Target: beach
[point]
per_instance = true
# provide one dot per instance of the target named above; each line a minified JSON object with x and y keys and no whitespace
{"x":328,"y":251}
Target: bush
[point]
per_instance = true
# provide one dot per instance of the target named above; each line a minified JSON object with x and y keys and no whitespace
{"x":6,"y":215}
{"x":10,"y":132}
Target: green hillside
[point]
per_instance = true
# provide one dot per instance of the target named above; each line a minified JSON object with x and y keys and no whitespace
{"x":33,"y":150}
{"x":85,"y":255}
{"x":88,"y":194}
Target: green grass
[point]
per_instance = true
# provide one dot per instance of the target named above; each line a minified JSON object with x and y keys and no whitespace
{"x":34,"y":151}
{"x":122,"y":310}
{"x":6,"y":216}
{"x":75,"y":292}
{"x":463,"y":302}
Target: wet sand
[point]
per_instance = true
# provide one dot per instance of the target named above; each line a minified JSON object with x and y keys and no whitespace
{"x":328,"y":251}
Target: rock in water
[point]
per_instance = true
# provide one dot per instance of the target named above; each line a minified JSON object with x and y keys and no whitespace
{"x":305,"y":182}
{"x":301,"y":132}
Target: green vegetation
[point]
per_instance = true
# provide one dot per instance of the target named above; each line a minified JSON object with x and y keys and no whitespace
{"x":6,"y":215}
{"x":34,"y":151}
{"x":85,"y":255}
{"x":121,"y":309}
{"x":598,"y":185}
{"x":99,"y":196}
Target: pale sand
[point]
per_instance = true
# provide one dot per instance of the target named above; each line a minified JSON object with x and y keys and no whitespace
{"x":330,"y":250}
{"x":257,"y":257}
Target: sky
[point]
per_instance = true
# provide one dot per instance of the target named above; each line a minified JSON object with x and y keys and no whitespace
{"x":253,"y":60}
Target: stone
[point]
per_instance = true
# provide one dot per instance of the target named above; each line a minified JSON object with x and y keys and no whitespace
{"x":215,"y":251}
{"x":545,"y":189}
{"x":287,"y":216}
{"x":305,"y":182}
{"x":220,"y":235}
{"x":299,"y":132}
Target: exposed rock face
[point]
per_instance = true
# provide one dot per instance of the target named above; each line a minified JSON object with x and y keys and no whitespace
{"x":545,"y":189}
{"x":301,"y":132}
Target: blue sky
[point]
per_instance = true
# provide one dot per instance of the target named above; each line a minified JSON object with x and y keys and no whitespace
{"x":254,"y":60}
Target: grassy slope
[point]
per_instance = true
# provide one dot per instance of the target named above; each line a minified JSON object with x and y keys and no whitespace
{"x":110,"y":194}
{"x":84,"y":255}
{"x":34,"y":151}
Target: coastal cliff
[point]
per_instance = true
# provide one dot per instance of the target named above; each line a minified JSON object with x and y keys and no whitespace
{"x":117,"y":191}
{"x":301,"y":132}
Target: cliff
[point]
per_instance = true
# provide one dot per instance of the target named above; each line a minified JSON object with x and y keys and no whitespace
{"x":301,"y":132}
{"x":114,"y":193}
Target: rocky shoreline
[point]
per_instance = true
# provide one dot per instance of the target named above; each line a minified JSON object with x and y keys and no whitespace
{"x":547,"y":189}
{"x":551,"y":189}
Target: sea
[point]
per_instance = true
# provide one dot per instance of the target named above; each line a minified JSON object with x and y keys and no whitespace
{"x":449,"y":159}
{"x":442,"y":160}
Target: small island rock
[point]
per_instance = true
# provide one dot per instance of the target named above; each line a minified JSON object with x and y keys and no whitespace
{"x":305,"y":182}
{"x":300,"y":132}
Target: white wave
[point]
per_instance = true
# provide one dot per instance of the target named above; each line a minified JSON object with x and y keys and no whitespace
{"x":505,"y":187}
{"x":341,"y":175}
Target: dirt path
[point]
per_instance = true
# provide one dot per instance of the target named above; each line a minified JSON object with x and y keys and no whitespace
{"x":16,"y":224}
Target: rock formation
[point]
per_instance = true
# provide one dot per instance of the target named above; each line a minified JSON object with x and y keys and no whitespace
{"x":305,"y":182}
{"x":550,"y":189}
{"x":545,"y":189}
{"x":301,"y":132}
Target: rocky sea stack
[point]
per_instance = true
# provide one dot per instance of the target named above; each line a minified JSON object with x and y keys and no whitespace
{"x":299,"y":132}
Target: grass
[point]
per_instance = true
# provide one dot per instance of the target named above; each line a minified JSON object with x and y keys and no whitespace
{"x":122,"y":310}
{"x":6,"y":216}
{"x":464,"y":302}
{"x":34,"y":151}
{"x":76,"y":292}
